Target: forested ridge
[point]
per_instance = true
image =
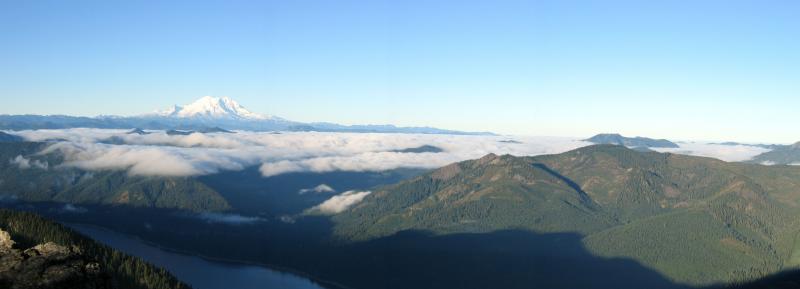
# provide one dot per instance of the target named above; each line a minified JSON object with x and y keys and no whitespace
{"x":698,"y":221}
{"x":127,"y":272}
{"x":47,"y":180}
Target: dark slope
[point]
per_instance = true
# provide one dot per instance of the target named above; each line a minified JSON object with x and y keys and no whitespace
{"x":247,"y":191}
{"x":784,"y":280}
{"x":506,"y":259}
{"x":4,"y":137}
{"x":410,"y":259}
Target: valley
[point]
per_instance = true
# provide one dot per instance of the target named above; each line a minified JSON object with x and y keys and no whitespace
{"x":663,"y":220}
{"x":197,"y":272}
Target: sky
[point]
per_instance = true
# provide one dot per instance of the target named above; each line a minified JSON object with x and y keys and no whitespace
{"x":684,"y":70}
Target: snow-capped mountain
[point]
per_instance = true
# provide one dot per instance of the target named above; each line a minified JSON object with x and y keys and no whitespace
{"x":205,"y":114}
{"x":209,"y":107}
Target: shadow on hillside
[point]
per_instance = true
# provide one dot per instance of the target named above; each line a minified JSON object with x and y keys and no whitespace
{"x":502,"y":259}
{"x":410,"y":259}
{"x":249,"y":192}
{"x":783,"y":280}
{"x":572,"y":184}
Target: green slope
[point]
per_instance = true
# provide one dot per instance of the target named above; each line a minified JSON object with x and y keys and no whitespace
{"x":494,"y":192}
{"x":696,"y":220}
{"x":685,"y":244}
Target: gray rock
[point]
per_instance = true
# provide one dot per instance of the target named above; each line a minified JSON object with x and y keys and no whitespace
{"x":5,"y":241}
{"x":47,"y":266}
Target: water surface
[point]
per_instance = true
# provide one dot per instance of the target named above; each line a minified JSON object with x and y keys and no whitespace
{"x":198,"y":272}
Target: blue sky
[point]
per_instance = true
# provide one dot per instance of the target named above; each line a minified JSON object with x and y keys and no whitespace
{"x":702,"y":70}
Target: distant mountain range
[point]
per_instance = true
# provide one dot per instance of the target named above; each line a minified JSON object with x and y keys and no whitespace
{"x":206,"y":112}
{"x":780,"y":155}
{"x":764,"y":146}
{"x":635,"y":142}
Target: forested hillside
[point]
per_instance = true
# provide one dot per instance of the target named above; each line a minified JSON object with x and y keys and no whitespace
{"x":28,"y":229}
{"x":781,"y":155}
{"x":27,"y":175}
{"x":696,"y":220}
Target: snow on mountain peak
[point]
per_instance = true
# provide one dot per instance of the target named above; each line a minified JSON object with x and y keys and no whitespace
{"x":213,"y":108}
{"x":171,"y":110}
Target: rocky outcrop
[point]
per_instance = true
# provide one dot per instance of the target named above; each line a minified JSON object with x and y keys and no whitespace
{"x":48,"y":266}
{"x":6,"y":243}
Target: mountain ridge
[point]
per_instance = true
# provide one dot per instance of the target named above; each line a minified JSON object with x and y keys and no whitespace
{"x":203,"y":113}
{"x":617,"y":139}
{"x":672,"y":212}
{"x":781,"y":155}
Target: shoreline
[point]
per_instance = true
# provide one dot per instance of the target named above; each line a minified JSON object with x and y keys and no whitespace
{"x":326,"y":284}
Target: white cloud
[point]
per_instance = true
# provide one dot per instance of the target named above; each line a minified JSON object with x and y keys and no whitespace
{"x":199,"y":154}
{"x":230,"y":219}
{"x":287,"y":219}
{"x":70,"y":208}
{"x":369,"y":161}
{"x":322,"y":188}
{"x":151,"y":160}
{"x":24,"y":163}
{"x":457,"y":148}
{"x":341,"y":202}
{"x":281,"y":167}
{"x":735,"y":153}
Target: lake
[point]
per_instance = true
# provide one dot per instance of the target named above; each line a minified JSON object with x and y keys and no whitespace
{"x":198,"y":272}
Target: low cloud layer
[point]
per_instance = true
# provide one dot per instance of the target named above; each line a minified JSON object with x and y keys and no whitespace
{"x":230,"y":219}
{"x":150,"y":160}
{"x":200,"y":154}
{"x":730,"y":153}
{"x":70,"y":208}
{"x":341,"y":202}
{"x":24,"y":163}
{"x":321,"y":189}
